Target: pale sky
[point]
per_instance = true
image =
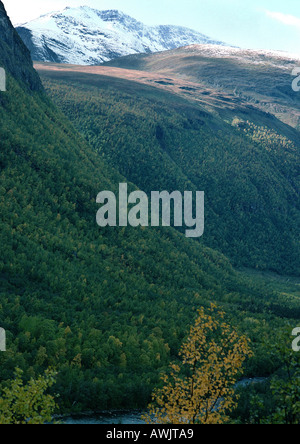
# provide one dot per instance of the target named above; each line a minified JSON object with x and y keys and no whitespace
{"x":257,"y":24}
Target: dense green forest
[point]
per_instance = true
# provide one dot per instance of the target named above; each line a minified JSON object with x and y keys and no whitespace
{"x":108,"y":309}
{"x":161,"y":141}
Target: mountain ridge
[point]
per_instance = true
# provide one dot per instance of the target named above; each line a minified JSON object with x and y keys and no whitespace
{"x":89,"y":36}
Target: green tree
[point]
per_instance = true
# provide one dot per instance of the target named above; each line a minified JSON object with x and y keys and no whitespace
{"x":285,"y":386}
{"x":284,"y":393}
{"x":28,"y":403}
{"x":287,"y":397}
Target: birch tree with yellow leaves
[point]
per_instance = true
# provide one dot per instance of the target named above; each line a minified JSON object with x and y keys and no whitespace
{"x":200,"y":389}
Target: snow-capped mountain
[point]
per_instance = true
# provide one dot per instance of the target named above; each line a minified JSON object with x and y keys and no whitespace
{"x":87,"y":36}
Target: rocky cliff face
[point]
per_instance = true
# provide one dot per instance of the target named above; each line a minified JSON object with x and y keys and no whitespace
{"x":14,"y":56}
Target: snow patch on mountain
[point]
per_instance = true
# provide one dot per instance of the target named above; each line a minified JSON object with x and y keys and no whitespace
{"x":87,"y":36}
{"x":278,"y":59}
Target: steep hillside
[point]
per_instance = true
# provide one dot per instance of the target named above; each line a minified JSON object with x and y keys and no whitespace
{"x":107,"y":307}
{"x":260,"y":78}
{"x":88,"y":36}
{"x":245,"y":160}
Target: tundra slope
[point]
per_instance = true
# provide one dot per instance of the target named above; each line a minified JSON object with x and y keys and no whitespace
{"x":262,"y":79}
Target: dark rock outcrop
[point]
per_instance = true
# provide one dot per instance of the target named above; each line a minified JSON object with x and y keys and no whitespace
{"x":14,"y":56}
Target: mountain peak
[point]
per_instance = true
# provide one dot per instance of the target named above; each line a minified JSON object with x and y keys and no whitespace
{"x":88,"y":36}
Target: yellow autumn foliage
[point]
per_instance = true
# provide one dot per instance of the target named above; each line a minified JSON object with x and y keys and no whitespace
{"x":200,"y":389}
